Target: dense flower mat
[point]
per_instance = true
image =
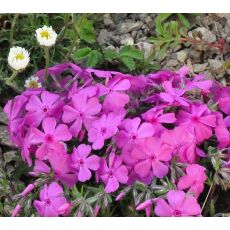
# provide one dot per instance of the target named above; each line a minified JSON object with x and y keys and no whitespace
{"x":108,"y":132}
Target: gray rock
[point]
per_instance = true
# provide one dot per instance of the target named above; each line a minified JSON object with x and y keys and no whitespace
{"x":172,"y":63}
{"x":216,"y":67}
{"x":206,"y":34}
{"x":146,"y":47}
{"x":4,"y":137}
{"x":149,"y":22}
{"x":105,"y":37}
{"x":127,"y":39}
{"x":107,"y":20}
{"x":127,"y":27}
{"x":182,"y":55}
{"x":3,"y":117}
{"x":10,"y":156}
{"x":198,"y":68}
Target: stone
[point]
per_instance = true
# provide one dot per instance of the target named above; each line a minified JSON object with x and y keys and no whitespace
{"x":127,"y":27}
{"x":216,"y":67}
{"x":206,"y":34}
{"x":3,"y":117}
{"x":107,"y":20}
{"x":127,"y":39}
{"x":172,"y":63}
{"x":146,"y":47}
{"x":10,"y":156}
{"x":198,"y":68}
{"x":105,"y":37}
{"x":182,"y":55}
{"x":4,"y":137}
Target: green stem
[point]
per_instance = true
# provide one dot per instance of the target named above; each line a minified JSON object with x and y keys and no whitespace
{"x":209,"y":195}
{"x":11,"y":37}
{"x":47,"y":57}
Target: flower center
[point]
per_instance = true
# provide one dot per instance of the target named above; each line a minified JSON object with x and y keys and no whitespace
{"x":45,"y":34}
{"x":177,"y":213}
{"x":152,"y":157}
{"x":81,"y":162}
{"x":45,"y":110}
{"x":49,"y":138}
{"x":134,"y":136}
{"x":33,"y":84}
{"x":19,"y":56}
{"x":110,"y":173}
{"x":103,"y":130}
{"x":195,"y":119}
{"x":153,"y":120}
{"x":81,"y":115}
{"x":47,"y":202}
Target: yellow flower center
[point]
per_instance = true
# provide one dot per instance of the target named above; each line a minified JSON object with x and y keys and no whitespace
{"x":19,"y":56}
{"x":45,"y":34}
{"x":33,"y":84}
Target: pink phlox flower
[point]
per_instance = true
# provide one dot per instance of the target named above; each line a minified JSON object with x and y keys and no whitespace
{"x":113,"y":174}
{"x":198,"y":82}
{"x":193,"y":180}
{"x":83,"y":163}
{"x":51,"y":138}
{"x":152,"y":157}
{"x":81,"y":111}
{"x":115,"y":98}
{"x":198,"y":121}
{"x":182,"y":144}
{"x":103,"y":129}
{"x":133,"y":130}
{"x":172,"y":95}
{"x":157,"y":118}
{"x":51,"y":199}
{"x":179,"y":204}
{"x":38,"y":109}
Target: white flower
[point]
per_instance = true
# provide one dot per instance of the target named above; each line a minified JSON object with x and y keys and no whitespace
{"x":32,"y":83}
{"x":18,"y":58}
{"x":46,"y":36}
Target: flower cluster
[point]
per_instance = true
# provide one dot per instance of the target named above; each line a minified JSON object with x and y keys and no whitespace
{"x":115,"y":129}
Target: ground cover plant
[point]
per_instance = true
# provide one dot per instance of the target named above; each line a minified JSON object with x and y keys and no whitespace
{"x":125,"y":141}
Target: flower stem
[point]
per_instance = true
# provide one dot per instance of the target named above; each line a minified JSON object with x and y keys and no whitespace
{"x":11,"y":37}
{"x":47,"y":57}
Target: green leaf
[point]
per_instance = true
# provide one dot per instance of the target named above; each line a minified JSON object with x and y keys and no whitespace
{"x":86,"y":30}
{"x":130,"y":51}
{"x":159,"y":19}
{"x":110,"y":55}
{"x":93,"y":58}
{"x":129,"y":62}
{"x":184,"y":21}
{"x":82,"y":53}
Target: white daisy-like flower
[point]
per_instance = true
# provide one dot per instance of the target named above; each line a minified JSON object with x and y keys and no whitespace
{"x":32,"y":83}
{"x":46,"y":36}
{"x":18,"y":58}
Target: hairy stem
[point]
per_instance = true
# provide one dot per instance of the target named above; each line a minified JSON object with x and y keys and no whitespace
{"x":11,"y":37}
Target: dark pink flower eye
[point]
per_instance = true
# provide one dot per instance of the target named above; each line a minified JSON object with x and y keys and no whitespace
{"x":81,"y":162}
{"x":195,"y":119}
{"x":134,"y":136}
{"x":110,"y":174}
{"x":45,"y":109}
{"x":152,"y":157}
{"x":47,"y":202}
{"x":177,"y":213}
{"x":103,"y":130}
{"x":49,"y":138}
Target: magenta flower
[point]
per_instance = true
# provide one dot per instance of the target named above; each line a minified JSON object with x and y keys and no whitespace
{"x":179,"y":204}
{"x":38,"y":109}
{"x":51,"y":200}
{"x":132,"y":131}
{"x":115,"y":98}
{"x":182,"y":143}
{"x":51,"y":138}
{"x":157,"y":118}
{"x":194,"y":179}
{"x":114,"y":173}
{"x":198,"y":121}
{"x":172,"y":95}
{"x":83,"y":163}
{"x":82,"y":111}
{"x":103,"y":128}
{"x":152,"y":158}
